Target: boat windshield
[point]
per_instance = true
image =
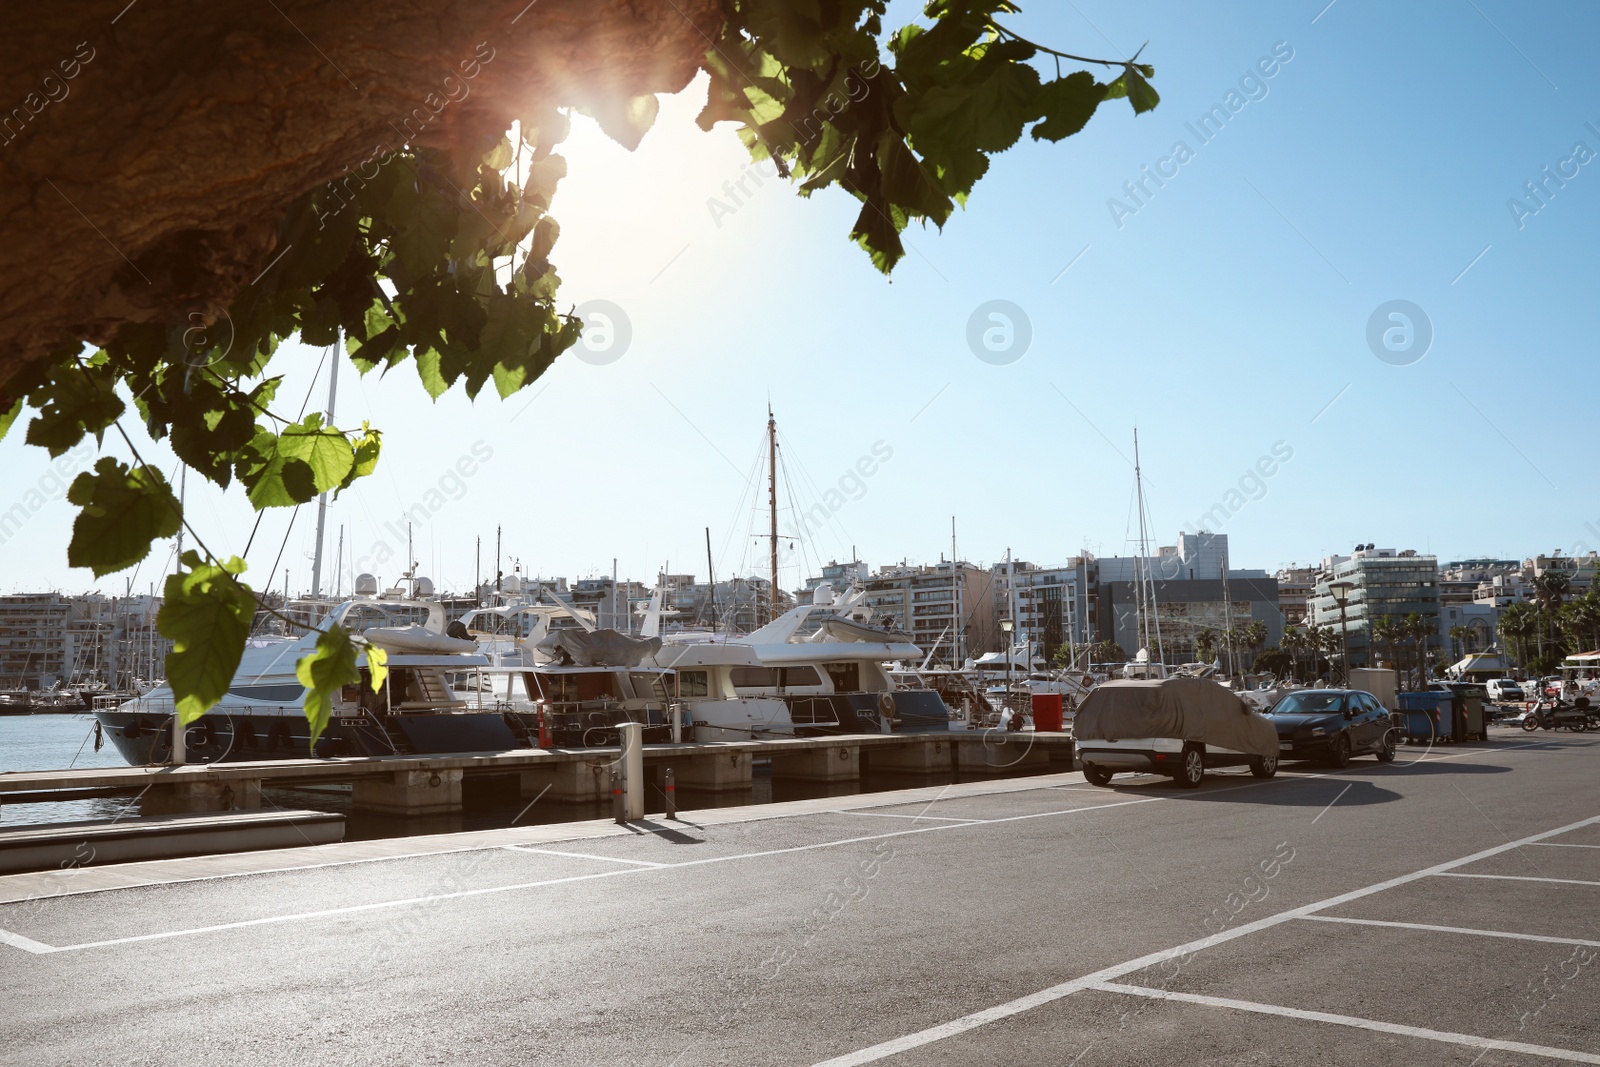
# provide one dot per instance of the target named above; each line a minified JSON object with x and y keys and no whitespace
{"x":1307,"y":704}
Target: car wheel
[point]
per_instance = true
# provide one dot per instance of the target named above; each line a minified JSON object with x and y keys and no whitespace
{"x":1095,"y":775}
{"x":1339,"y":751}
{"x":1385,"y":751}
{"x":1264,"y":766}
{"x":1193,"y":769}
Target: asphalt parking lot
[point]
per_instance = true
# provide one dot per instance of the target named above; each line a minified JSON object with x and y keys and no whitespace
{"x":1442,"y":910}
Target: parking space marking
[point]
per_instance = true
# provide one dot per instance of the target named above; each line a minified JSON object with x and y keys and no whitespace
{"x":1446,"y":1036}
{"x":486,"y":890}
{"x":581,"y":856}
{"x":1515,"y":878}
{"x":1452,"y":930}
{"x":894,"y":815}
{"x":26,"y":944}
{"x":973,"y":1020}
{"x":1563,"y":844}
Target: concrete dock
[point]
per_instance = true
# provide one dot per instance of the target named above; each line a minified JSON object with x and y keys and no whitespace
{"x":1438,"y":910}
{"x":432,"y":785}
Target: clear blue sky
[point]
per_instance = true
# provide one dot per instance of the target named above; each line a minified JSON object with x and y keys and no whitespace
{"x":1225,"y":315}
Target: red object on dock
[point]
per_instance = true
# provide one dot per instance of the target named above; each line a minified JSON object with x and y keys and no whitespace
{"x":1047,"y":712}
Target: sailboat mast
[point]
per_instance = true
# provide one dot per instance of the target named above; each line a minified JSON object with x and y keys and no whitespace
{"x":322,"y":499}
{"x":1141,"y":565}
{"x":958,"y":656}
{"x":772,"y":499}
{"x":711,"y":581}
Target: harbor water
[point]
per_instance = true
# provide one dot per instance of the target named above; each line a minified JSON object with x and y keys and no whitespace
{"x":56,"y":742}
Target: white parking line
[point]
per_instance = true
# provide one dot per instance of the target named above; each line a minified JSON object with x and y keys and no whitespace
{"x":894,"y":1046}
{"x":893,"y":815}
{"x":1471,"y":1041}
{"x":1452,"y":930}
{"x":581,"y":856}
{"x":1516,"y":878}
{"x":5,"y":936}
{"x":1563,"y":844}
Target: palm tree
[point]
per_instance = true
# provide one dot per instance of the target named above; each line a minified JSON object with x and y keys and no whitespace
{"x":1294,"y":643}
{"x":1419,"y":628}
{"x":1205,"y":645}
{"x":1383,"y":628}
{"x":1459,"y":636}
{"x":1255,"y":636}
{"x":1549,"y":589}
{"x":1328,"y":637}
{"x":1516,"y":624}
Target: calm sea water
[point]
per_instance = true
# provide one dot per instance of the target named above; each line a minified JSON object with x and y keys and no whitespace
{"x":49,"y":743}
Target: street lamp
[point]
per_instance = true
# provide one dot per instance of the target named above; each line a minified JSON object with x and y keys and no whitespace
{"x":1006,"y":626}
{"x":1341,"y":596}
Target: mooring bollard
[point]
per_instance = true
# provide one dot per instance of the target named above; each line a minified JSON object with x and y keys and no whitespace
{"x":671,"y":789}
{"x":632,"y":759}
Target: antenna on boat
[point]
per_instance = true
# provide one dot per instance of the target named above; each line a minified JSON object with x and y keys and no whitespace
{"x":322,"y":498}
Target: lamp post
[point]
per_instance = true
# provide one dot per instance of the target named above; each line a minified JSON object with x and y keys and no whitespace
{"x":1006,"y":626}
{"x":1341,"y":596}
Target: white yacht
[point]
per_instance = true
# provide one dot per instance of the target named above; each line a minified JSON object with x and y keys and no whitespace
{"x":263,"y":715}
{"x":831,"y":667}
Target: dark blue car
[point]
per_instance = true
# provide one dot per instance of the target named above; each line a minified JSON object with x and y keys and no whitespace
{"x":1332,"y":725}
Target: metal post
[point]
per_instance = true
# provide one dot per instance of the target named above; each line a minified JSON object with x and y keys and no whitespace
{"x":672,"y":794}
{"x":632,"y":760}
{"x":676,"y":711}
{"x":179,"y":757}
{"x":616,"y":794}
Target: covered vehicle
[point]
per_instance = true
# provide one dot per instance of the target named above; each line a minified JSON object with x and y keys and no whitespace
{"x":1172,"y":726}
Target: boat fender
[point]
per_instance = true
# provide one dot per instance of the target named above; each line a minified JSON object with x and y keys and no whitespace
{"x":99,"y":736}
{"x":886,"y":704}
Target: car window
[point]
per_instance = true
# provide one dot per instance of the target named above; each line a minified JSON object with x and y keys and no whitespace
{"x":1309,"y":704}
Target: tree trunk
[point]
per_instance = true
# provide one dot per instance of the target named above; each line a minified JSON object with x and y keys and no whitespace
{"x":148,"y":150}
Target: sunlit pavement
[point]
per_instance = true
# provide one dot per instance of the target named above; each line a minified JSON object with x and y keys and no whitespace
{"x":1444,"y":909}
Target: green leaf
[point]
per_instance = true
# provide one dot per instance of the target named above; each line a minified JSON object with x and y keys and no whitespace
{"x":1140,"y":93}
{"x":1066,"y":105}
{"x":626,"y":121}
{"x":366,"y":449}
{"x":77,"y":399}
{"x":10,"y":417}
{"x":377,"y":666}
{"x":294,"y":466}
{"x":327,"y":670}
{"x":206,"y":612}
{"x":122,"y":511}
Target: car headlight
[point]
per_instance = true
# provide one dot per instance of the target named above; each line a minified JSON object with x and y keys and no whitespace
{"x":1318,"y":731}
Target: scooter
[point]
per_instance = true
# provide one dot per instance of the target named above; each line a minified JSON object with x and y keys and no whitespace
{"x":1557,"y":715}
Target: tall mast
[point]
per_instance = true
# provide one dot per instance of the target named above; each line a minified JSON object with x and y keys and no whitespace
{"x":772,"y":499}
{"x":958,"y":656}
{"x":1140,"y":568}
{"x":322,"y":499}
{"x":497,"y":560}
{"x":711,"y":580}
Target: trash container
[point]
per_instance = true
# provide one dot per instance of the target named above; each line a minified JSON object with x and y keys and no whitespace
{"x":1047,"y":712}
{"x":1475,"y":725}
{"x":1427,"y":716}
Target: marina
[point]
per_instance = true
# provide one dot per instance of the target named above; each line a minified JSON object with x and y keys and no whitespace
{"x":757,"y":532}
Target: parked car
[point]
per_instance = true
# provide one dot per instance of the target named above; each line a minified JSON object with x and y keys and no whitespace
{"x":1332,"y":725}
{"x":1505,"y":691}
{"x":1178,"y":727}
